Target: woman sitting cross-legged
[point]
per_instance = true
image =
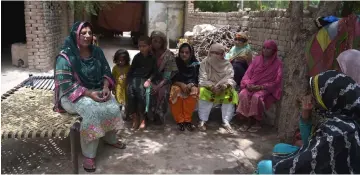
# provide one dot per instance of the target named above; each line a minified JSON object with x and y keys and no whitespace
{"x":83,"y":82}
{"x":217,"y":86}
{"x":260,"y":86}
{"x":184,"y":91}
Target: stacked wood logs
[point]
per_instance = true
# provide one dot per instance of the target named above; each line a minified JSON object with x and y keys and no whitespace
{"x":202,"y":42}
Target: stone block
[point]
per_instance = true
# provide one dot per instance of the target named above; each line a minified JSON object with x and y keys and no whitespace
{"x":19,"y":54}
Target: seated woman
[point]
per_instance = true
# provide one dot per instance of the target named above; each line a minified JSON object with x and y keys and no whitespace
{"x":184,"y":91}
{"x":217,"y":86}
{"x":240,"y":56}
{"x":160,"y":84}
{"x":333,"y":145}
{"x":349,"y":62}
{"x":260,"y":86}
{"x":83,"y":82}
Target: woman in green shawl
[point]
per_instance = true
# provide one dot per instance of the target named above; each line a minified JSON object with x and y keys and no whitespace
{"x":240,"y":56}
{"x":83,"y":82}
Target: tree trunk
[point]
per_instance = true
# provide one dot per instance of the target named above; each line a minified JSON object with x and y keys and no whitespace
{"x":295,"y":68}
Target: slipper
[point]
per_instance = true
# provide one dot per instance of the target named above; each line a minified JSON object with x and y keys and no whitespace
{"x":89,"y":164}
{"x":254,"y":128}
{"x":118,"y":144}
{"x":244,"y":128}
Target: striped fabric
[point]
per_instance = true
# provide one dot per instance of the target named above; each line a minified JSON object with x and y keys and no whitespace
{"x":324,"y":47}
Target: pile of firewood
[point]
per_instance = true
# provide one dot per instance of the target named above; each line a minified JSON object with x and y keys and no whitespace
{"x":224,"y":35}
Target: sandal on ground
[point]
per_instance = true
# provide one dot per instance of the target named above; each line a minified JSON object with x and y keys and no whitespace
{"x":189,"y":126}
{"x":118,"y":144}
{"x":181,"y":126}
{"x":254,"y":129}
{"x":228,"y":128}
{"x":89,"y":164}
{"x":202,"y":126}
{"x":244,"y":128}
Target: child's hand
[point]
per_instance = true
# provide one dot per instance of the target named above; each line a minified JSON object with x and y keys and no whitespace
{"x":147,"y":83}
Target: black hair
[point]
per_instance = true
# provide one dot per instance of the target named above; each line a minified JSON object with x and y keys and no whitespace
{"x":145,"y":38}
{"x":122,"y":53}
{"x":192,"y":51}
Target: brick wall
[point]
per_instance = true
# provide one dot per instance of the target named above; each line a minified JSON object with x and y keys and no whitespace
{"x":46,"y":25}
{"x":261,"y":25}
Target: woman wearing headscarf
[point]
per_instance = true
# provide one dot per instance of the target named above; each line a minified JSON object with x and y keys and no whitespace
{"x":217,"y":86}
{"x":83,"y":82}
{"x":184,"y":90}
{"x":260,"y":86}
{"x":160,"y":84}
{"x":240,"y":56}
{"x":332,"y":146}
{"x":349,"y":62}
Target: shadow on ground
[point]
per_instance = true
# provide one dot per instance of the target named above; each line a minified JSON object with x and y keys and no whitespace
{"x":158,"y":149}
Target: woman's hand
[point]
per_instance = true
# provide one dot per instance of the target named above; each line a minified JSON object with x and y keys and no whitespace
{"x":106,"y":93}
{"x":184,"y":88}
{"x":194,"y":91}
{"x":95,"y":95}
{"x":307,"y":106}
{"x":258,"y":88}
{"x":250,"y":87}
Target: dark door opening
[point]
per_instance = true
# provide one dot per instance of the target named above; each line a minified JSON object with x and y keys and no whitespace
{"x":13,"y":27}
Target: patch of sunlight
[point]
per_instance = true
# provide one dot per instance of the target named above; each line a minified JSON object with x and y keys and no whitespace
{"x":124,"y":156}
{"x":252,"y":154}
{"x":243,"y":143}
{"x":148,"y":146}
{"x":209,"y":156}
{"x":238,"y":153}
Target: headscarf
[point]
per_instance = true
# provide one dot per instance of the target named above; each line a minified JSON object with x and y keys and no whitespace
{"x":349,"y":62}
{"x":81,"y":66}
{"x":261,"y":73}
{"x":188,"y":72}
{"x":334,"y":145}
{"x":215,"y":71}
{"x":337,"y":93}
{"x":160,"y":34}
{"x":240,"y":53}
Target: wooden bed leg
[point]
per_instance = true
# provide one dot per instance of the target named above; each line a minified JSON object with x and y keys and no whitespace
{"x":74,"y":155}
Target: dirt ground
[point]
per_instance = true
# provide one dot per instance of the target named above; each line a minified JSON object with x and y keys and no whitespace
{"x":158,"y":149}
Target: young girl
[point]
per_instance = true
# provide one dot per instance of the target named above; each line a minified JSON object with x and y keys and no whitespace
{"x":119,"y":71}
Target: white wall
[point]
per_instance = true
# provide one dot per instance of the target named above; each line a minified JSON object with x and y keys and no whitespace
{"x":167,"y":17}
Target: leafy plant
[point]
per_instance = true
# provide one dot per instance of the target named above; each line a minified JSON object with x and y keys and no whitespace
{"x":216,"y":6}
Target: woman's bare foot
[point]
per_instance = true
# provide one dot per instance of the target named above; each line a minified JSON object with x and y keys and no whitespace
{"x":135,"y":119}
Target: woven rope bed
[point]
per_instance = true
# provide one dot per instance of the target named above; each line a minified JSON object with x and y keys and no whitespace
{"x":27,"y":112}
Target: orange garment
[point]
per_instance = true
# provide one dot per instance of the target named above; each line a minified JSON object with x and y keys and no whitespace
{"x":182,"y":105}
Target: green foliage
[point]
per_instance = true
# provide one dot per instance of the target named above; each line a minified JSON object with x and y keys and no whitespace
{"x":216,"y":6}
{"x":228,"y":6}
{"x":91,"y":7}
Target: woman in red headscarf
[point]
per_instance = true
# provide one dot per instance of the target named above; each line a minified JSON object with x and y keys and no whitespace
{"x":260,"y":86}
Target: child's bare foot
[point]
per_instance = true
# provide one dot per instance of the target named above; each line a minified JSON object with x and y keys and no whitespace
{"x":142,"y":124}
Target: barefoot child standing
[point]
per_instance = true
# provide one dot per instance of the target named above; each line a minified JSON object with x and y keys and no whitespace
{"x":140,"y":74}
{"x":119,"y":72}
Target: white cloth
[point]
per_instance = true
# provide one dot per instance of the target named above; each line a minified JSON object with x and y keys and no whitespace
{"x":227,"y":111}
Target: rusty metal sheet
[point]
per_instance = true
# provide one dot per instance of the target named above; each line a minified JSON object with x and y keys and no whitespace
{"x":122,"y":17}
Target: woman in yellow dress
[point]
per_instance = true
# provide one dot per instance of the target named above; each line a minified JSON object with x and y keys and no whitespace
{"x":119,"y":71}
